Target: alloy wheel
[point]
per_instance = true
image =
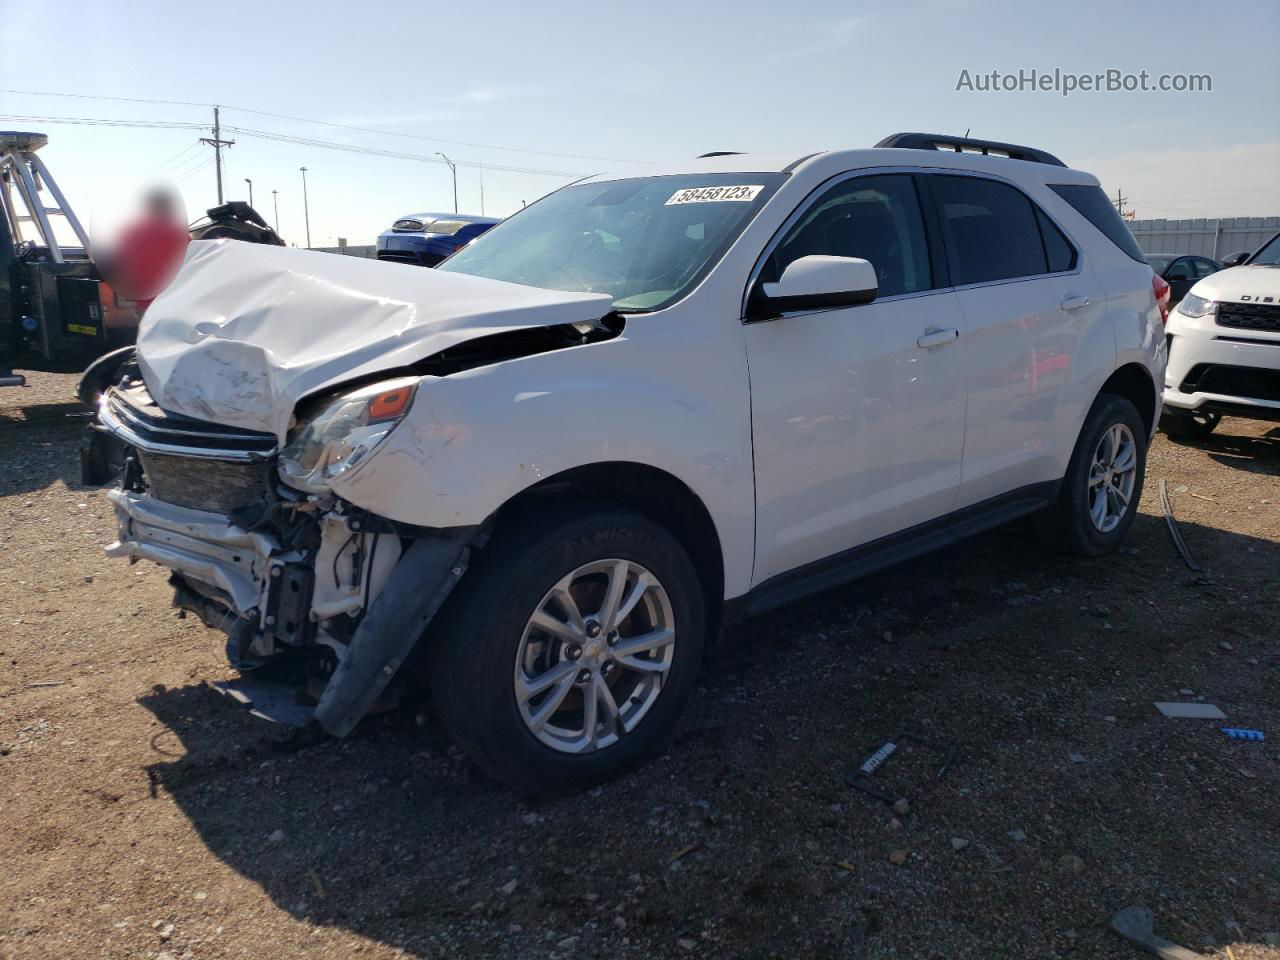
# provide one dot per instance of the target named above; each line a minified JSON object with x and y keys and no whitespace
{"x":1112,"y":477}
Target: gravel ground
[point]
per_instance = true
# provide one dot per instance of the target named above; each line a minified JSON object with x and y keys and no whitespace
{"x":143,"y":816}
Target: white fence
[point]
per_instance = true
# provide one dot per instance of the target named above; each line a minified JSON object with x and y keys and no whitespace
{"x":1208,"y":238}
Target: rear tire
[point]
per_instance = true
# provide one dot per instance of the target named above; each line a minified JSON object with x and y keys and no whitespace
{"x":1189,"y":426}
{"x":493,"y":643}
{"x":1099,"y":495}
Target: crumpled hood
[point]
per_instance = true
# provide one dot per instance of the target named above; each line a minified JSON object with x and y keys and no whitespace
{"x":247,"y":330}
{"x":1233,"y":283}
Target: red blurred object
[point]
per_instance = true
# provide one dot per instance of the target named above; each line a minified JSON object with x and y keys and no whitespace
{"x":147,"y":257}
{"x":1160,"y":287}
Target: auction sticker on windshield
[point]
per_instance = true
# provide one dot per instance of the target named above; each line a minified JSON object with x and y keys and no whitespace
{"x":714,"y":194}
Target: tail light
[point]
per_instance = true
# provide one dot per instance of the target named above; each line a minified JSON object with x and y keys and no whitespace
{"x":1161,"y":289}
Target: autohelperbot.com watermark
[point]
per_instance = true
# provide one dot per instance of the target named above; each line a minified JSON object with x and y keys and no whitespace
{"x":1065,"y":83}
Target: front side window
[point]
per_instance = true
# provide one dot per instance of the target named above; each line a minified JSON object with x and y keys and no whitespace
{"x":875,"y":218}
{"x":645,"y":241}
{"x":991,"y":230}
{"x":1205,"y":267}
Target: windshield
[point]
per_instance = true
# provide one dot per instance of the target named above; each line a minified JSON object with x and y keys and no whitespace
{"x":644,"y":241}
{"x":1269,"y":255}
{"x":1159,"y":264}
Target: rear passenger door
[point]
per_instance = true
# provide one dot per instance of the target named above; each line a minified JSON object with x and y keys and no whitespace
{"x":1026,"y":301}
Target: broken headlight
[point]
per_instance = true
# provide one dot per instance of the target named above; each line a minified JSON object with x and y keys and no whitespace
{"x":344,"y":433}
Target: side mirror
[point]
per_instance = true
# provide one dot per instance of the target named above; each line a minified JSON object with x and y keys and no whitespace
{"x":820,"y":282}
{"x":1235,"y":259}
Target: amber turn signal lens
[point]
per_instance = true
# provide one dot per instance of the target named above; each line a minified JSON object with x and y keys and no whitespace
{"x":389,"y":405}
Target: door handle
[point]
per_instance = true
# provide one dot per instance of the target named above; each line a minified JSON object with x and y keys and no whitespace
{"x":937,"y":338}
{"x":1073,"y":302}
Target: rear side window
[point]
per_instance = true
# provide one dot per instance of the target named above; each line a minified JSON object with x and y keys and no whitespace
{"x":1092,"y":204}
{"x":1057,"y":248}
{"x":991,"y":230}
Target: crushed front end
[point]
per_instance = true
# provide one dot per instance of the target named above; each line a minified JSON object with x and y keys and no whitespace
{"x":293,"y":578}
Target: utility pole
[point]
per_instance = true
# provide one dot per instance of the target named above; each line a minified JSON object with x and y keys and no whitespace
{"x":275,"y":202}
{"x":1120,"y":199}
{"x":453,"y":168}
{"x":250,"y":183}
{"x":306,"y":212}
{"x":217,"y":143}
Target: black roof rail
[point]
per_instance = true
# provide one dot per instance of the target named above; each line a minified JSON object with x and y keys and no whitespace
{"x":720,"y":153}
{"x":941,"y":141}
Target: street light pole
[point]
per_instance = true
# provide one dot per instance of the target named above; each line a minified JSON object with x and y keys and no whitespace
{"x":453,"y":168}
{"x":250,"y":183}
{"x":275,"y":202}
{"x":306,"y":212}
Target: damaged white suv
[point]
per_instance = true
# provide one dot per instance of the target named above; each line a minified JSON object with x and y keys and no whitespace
{"x":541,"y":476}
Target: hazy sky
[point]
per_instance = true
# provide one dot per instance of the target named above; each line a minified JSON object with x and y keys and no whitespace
{"x":567,"y":84}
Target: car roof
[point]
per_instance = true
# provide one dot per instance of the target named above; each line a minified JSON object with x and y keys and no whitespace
{"x":836,"y":160}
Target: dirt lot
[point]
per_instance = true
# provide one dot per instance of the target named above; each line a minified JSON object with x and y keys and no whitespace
{"x":143,"y":816}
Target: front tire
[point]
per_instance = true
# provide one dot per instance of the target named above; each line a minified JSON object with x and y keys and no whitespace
{"x":1099,"y":495}
{"x":1189,"y":426}
{"x":570,"y":648}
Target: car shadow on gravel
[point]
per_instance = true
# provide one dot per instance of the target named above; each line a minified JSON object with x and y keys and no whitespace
{"x":38,"y":446}
{"x":1242,"y":452}
{"x":744,"y":839}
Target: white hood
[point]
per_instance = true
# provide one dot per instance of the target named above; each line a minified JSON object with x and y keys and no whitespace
{"x":247,"y":330}
{"x":1256,"y":283}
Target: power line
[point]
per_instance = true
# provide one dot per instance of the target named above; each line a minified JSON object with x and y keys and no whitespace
{"x":326,"y":123}
{"x":287,"y":138}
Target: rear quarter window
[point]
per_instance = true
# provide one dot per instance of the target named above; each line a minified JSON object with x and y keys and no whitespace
{"x":1092,"y":204}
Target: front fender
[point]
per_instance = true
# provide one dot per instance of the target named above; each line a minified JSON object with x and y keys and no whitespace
{"x":475,"y":439}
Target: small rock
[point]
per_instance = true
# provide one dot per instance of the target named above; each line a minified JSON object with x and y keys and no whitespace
{"x":959,"y":843}
{"x":509,"y":887}
{"x":902,"y":807}
{"x":688,"y":943}
{"x":620,"y":922}
{"x":1251,"y":661}
{"x":568,"y":943}
{"x":1077,"y":758}
{"x":1101,"y":611}
{"x":888,"y":636}
{"x":530,"y":819}
{"x":1271,"y":938}
{"x":166,"y":931}
{"x":1181,"y":488}
{"x":1186,"y":692}
{"x":1071,"y":862}
{"x":895,"y":824}
{"x":1222,"y":645}
{"x":898,"y":857}
{"x":202,"y":895}
{"x":1018,"y":836}
{"x":88,"y":579}
{"x":1109,"y":718}
{"x":276,"y":837}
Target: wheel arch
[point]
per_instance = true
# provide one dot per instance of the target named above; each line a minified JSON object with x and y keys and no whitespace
{"x":1133,"y":382}
{"x":655,"y":493}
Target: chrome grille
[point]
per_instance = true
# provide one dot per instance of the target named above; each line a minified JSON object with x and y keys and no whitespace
{"x":129,"y":412}
{"x":407,"y":226}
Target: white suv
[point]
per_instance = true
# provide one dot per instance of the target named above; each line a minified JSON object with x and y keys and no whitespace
{"x":541,"y":476}
{"x":1224,"y":348}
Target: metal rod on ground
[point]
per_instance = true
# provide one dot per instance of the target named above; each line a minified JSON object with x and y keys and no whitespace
{"x":1174,"y":532}
{"x":306,"y":212}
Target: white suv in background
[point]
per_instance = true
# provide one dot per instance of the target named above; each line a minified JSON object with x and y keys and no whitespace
{"x":1224,"y":348}
{"x":540,"y":476}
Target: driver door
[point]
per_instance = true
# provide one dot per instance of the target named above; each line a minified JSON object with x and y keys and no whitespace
{"x":858,"y":412}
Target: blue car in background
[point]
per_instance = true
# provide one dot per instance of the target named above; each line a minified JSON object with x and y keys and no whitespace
{"x":424,"y":239}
